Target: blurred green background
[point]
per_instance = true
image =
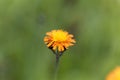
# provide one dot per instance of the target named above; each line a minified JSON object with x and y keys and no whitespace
{"x":23,"y":24}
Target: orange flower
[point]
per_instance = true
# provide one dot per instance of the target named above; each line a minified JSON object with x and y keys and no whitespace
{"x":114,"y":75}
{"x":59,"y":40}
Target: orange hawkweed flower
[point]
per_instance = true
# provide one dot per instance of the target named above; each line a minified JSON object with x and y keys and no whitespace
{"x":59,"y":40}
{"x":114,"y":75}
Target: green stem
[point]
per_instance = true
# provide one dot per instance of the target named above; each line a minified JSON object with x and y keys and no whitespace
{"x":57,"y":60}
{"x":56,"y":67}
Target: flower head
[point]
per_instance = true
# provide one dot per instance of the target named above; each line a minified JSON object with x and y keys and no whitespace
{"x":114,"y":75}
{"x":59,"y":40}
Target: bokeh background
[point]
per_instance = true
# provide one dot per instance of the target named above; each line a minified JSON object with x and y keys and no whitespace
{"x":23,"y":24}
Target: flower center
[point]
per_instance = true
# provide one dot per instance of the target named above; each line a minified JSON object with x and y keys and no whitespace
{"x":60,"y":36}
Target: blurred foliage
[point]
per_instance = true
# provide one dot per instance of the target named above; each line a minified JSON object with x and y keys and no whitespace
{"x":23,"y":24}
